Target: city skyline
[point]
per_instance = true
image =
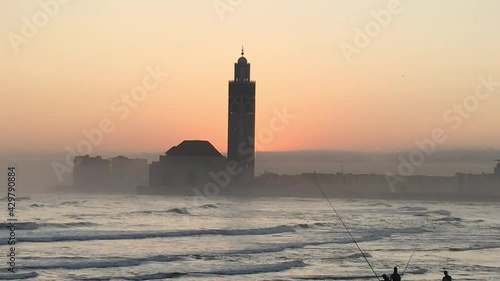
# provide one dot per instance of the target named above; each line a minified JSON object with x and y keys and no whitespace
{"x":381,"y":100}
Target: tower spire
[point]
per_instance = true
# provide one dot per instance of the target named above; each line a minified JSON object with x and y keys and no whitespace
{"x":241,"y":120}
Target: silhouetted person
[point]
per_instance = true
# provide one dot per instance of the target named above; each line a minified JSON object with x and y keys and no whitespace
{"x":395,"y":276}
{"x":446,"y":276}
{"x":384,"y":276}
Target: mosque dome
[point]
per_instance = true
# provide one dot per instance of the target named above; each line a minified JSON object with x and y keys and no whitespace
{"x":242,"y":60}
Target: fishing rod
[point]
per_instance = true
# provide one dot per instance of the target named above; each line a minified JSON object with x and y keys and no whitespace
{"x":408,"y":263}
{"x":345,"y":226}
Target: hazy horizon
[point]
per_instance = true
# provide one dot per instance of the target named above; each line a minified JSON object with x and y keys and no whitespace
{"x":38,"y":173}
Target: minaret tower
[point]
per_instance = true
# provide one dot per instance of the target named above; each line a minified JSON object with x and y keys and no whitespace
{"x":241,"y":118}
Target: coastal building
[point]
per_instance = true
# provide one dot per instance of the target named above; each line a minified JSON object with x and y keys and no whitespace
{"x":184,"y":167}
{"x":241,"y":119}
{"x":127,"y":172}
{"x":119,"y":174}
{"x":480,"y":183}
{"x":90,"y":172}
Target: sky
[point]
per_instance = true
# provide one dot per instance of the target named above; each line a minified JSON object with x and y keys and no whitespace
{"x":360,"y":75}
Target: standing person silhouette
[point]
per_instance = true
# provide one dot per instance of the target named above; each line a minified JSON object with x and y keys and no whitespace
{"x":446,"y":276}
{"x":385,"y":278}
{"x":395,"y":276}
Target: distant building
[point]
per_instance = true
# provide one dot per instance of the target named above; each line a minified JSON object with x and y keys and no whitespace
{"x":480,"y":183}
{"x":119,"y":174}
{"x":241,"y":118}
{"x":90,"y":172}
{"x":127,"y":172}
{"x":183,"y":167}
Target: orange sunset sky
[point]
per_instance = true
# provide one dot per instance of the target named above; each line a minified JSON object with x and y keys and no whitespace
{"x":395,"y":90}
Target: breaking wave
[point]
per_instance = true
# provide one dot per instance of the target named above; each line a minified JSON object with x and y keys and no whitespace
{"x":413,"y":209}
{"x":335,"y":277}
{"x":72,"y":203}
{"x":34,"y":225}
{"x":84,"y":263}
{"x":380,"y":205}
{"x":367,"y":235}
{"x":17,"y":276}
{"x":277,"y":248}
{"x":359,"y":255}
{"x":37,"y":205}
{"x":422,"y":212}
{"x":155,"y":276}
{"x":475,"y":248}
{"x":180,"y":211}
{"x":209,"y":206}
{"x":417,"y":271}
{"x":147,"y":235}
{"x":449,"y":219}
{"x":380,"y":234}
{"x":264,"y":268}
{"x":245,"y":270}
{"x":76,"y":263}
{"x":377,"y":234}
{"x":309,"y":225}
{"x":440,"y":212}
{"x":18,"y":198}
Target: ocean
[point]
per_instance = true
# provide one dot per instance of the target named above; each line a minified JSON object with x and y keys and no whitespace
{"x":127,"y":237}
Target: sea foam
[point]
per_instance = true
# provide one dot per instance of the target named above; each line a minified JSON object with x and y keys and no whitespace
{"x":147,"y":235}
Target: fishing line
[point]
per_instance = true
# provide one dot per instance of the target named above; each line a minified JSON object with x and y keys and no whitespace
{"x":346,"y":228}
{"x":408,"y":262}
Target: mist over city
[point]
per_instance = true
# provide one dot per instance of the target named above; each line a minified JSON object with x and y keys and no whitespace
{"x":442,"y":163}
